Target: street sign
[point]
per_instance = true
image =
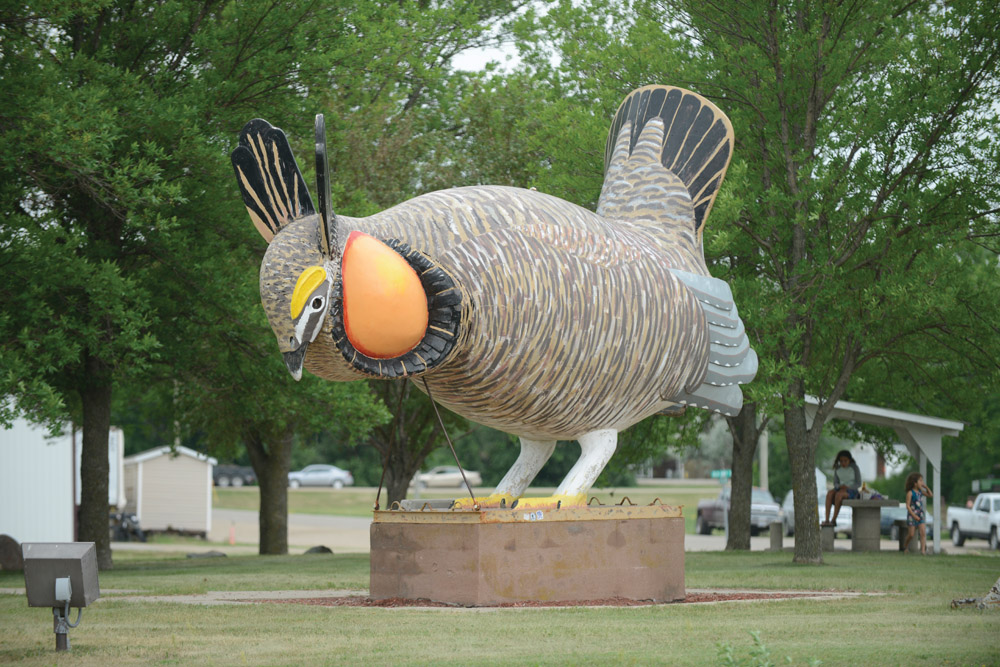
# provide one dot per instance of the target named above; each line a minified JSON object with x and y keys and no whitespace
{"x":722,"y":474}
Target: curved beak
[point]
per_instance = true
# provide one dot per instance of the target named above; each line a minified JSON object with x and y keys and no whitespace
{"x":293,"y":360}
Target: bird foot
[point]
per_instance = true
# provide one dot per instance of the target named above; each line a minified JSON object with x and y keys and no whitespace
{"x":493,"y":501}
{"x":552,"y":502}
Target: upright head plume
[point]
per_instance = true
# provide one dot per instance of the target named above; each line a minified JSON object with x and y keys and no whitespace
{"x":328,"y":231}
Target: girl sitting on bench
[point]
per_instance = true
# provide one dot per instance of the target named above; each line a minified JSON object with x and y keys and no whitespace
{"x":846,"y":482}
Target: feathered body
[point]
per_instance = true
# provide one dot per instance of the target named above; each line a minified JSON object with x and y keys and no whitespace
{"x":553,"y":342}
{"x":547,"y":320}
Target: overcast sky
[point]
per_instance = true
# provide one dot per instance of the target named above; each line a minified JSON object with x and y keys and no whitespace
{"x":475,"y":60}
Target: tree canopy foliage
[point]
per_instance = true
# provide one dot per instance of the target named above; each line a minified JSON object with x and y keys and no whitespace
{"x":127,"y":257}
{"x":864,"y":176}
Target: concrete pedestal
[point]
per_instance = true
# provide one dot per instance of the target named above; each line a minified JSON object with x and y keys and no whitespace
{"x":901,"y":531}
{"x":495,"y":556}
{"x":866,"y":523}
{"x":826,"y":538}
{"x":777,"y":533}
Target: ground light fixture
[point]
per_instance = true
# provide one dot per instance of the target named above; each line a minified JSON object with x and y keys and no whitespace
{"x":61,"y":575}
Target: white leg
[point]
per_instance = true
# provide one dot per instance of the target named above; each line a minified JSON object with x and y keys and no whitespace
{"x":596,"y":449}
{"x":533,"y":456}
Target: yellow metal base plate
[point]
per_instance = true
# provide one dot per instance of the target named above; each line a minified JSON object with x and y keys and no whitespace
{"x":488,"y":516}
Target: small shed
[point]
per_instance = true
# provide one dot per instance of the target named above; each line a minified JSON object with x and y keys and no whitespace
{"x":170,"y":489}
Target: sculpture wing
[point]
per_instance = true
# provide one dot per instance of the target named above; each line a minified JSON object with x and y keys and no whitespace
{"x":272,"y":185}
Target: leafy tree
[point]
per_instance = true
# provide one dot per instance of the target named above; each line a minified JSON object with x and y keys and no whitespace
{"x":263,"y":412}
{"x":865,"y":165}
{"x":975,"y":455}
{"x":394,"y":134}
{"x":112,"y":111}
{"x":413,"y":432}
{"x":120,"y":220}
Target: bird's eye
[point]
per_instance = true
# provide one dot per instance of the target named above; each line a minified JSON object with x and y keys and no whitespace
{"x":317,"y":303}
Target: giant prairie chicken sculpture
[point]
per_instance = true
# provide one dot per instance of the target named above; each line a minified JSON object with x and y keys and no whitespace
{"x":518,"y":310}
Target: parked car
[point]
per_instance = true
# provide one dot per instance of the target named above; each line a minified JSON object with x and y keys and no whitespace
{"x":233,"y":475}
{"x":447,"y":476}
{"x":889,"y":515}
{"x":982,"y":520}
{"x":845,"y":520}
{"x":320,"y":474}
{"x":764,"y":510}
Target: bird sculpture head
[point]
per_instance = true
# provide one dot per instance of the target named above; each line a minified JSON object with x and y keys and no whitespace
{"x":366,"y":298}
{"x":309,"y":305}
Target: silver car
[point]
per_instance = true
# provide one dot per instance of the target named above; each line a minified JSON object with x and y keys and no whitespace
{"x":320,"y":474}
{"x":447,"y":476}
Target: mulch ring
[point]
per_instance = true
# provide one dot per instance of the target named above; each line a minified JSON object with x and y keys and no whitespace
{"x":692,"y":597}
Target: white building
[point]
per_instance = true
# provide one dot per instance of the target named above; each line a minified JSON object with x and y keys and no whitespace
{"x":873,"y":467}
{"x":40,"y":481}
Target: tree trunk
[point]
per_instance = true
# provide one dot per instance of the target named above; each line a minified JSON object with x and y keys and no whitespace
{"x":404,"y":442}
{"x":399,"y":471}
{"x":801,"y":443}
{"x":95,"y":398}
{"x":271,"y":461}
{"x":745,"y":435}
{"x":405,"y":460}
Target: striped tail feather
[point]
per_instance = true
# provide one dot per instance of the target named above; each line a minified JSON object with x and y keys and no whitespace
{"x":272,"y":185}
{"x":696,"y":145}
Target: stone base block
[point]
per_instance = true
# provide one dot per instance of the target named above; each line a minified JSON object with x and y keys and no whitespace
{"x":777,"y":534}
{"x":866,"y":523}
{"x":902,"y":530}
{"x":496,"y":556}
{"x":826,"y":537}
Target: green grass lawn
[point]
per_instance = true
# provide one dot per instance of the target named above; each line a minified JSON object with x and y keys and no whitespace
{"x":358,"y":501}
{"x":906,"y":620}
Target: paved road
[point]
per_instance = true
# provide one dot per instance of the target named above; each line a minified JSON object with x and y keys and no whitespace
{"x":351,"y":535}
{"x":343,"y":534}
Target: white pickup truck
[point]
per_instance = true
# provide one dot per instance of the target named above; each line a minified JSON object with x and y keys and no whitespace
{"x":983,"y":520}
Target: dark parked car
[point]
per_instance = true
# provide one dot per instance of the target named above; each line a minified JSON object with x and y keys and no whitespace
{"x":712,"y":513}
{"x":320,"y":474}
{"x":233,"y":475}
{"x":889,"y":515}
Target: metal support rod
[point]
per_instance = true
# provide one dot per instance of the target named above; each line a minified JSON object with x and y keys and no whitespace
{"x":60,"y":625}
{"x":475,"y":503}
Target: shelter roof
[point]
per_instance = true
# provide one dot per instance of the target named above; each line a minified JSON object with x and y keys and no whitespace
{"x":870,"y":414}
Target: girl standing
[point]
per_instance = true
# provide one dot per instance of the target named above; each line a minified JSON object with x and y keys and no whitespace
{"x":915,"y":512}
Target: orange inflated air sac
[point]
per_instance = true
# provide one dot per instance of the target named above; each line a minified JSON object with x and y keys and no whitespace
{"x":385,"y":306}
